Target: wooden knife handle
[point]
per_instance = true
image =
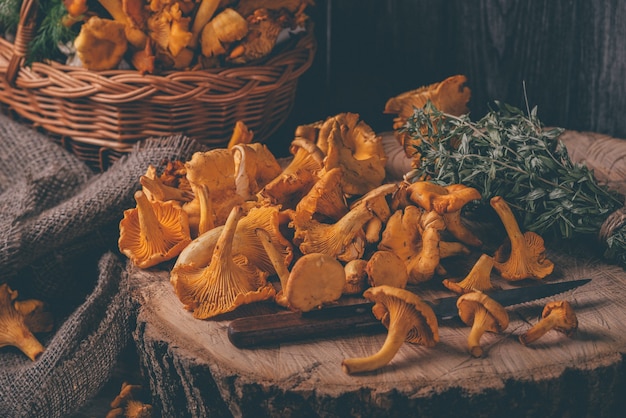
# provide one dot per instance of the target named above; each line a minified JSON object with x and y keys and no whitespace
{"x":261,"y":330}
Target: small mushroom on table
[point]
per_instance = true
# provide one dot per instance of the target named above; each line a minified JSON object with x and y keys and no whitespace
{"x":18,"y":322}
{"x":483,"y":314}
{"x":406,"y":317}
{"x":558,"y":316}
{"x":479,"y":277}
{"x":523,"y":255}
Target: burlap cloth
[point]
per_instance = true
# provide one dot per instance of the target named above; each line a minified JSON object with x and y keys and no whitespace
{"x":58,"y":243}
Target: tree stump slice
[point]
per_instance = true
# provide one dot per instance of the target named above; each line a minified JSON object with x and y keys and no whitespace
{"x":602,"y":153}
{"x":194,"y":371}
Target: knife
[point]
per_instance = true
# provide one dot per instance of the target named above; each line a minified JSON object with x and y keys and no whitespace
{"x":336,"y":320}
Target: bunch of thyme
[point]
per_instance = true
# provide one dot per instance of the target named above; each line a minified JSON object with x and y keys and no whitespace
{"x":510,"y":154}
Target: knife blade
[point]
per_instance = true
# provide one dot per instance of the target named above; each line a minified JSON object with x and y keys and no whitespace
{"x":289,"y":326}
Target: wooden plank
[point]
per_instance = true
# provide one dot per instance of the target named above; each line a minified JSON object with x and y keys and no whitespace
{"x":569,"y":55}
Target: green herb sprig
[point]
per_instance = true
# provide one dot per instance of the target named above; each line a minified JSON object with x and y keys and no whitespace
{"x":50,"y":30}
{"x":510,"y":154}
{"x":9,"y":15}
{"x":50,"y":33}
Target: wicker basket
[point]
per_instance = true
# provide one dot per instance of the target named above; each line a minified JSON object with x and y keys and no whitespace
{"x":99,"y":116}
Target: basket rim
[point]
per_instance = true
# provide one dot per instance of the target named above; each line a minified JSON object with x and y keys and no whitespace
{"x":213,"y":85}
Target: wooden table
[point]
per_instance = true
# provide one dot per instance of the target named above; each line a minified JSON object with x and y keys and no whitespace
{"x":194,"y":371}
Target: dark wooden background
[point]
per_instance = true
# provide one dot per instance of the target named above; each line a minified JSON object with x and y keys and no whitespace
{"x":568,"y":55}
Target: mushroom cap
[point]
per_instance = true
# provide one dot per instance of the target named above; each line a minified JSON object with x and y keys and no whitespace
{"x":450,"y":96}
{"x":101,"y":43}
{"x":468,"y":303}
{"x":392,"y":304}
{"x":325,"y":200}
{"x":385,"y":267}
{"x":352,"y":145}
{"x":315,"y":279}
{"x":568,"y":322}
{"x":442,"y":199}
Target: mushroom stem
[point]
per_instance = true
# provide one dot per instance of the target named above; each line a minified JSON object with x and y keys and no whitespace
{"x":13,"y":329}
{"x":310,"y":150}
{"x":557,"y":315}
{"x":27,"y":343}
{"x":164,"y":192}
{"x":275,"y":257}
{"x":482,"y":320}
{"x":394,"y":340}
{"x":207,"y":218}
{"x":539,"y":329}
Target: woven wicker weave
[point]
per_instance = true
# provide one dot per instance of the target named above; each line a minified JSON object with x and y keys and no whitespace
{"x":99,"y":116}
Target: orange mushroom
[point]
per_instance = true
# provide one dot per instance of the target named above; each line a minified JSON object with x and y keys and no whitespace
{"x":479,"y":277}
{"x":483,"y":314}
{"x":523,"y":255}
{"x":351,"y":144}
{"x":101,"y":43}
{"x":558,"y":316}
{"x":200,"y":251}
{"x":406,"y":317}
{"x":448,"y":202}
{"x":14,"y":330}
{"x":153,"y":232}
{"x":228,"y":282}
{"x":386,"y":268}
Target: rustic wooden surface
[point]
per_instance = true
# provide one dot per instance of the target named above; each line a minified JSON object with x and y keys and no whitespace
{"x":193,"y":369}
{"x":605,"y":154}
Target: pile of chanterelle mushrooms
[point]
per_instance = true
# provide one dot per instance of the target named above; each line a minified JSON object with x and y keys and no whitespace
{"x":326,"y":224}
{"x":160,"y":35}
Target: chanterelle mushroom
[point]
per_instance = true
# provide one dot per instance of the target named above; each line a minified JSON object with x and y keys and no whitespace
{"x":13,"y":327}
{"x":199,"y":252}
{"x":314,"y":280}
{"x":526,"y":258}
{"x":344,"y":239}
{"x":414,"y":235}
{"x":449,"y":96}
{"x":559,"y":316}
{"x":386,"y":268}
{"x":298,"y":177}
{"x":356,"y":277}
{"x":406,"y":317}
{"x":153,"y":232}
{"x":448,"y":202}
{"x":226,"y":283}
{"x":482,"y":313}
{"x":479,"y":277}
{"x":351,"y":144}
{"x":101,"y":43}
{"x":325,"y":201}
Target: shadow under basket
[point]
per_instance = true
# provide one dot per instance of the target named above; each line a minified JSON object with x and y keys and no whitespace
{"x":101,"y":115}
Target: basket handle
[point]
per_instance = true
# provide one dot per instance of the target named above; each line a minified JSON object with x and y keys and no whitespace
{"x":25,"y":32}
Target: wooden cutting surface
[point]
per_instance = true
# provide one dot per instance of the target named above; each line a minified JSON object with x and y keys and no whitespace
{"x":194,"y":370}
